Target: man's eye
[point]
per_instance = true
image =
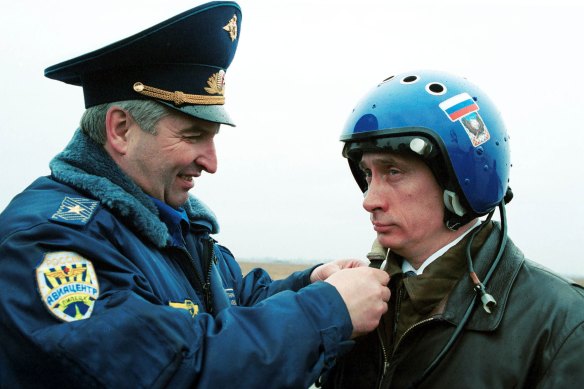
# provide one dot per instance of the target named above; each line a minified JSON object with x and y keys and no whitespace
{"x":192,"y":137}
{"x":367,"y":175}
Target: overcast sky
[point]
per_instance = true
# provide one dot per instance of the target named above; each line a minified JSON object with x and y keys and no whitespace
{"x":283,"y":191}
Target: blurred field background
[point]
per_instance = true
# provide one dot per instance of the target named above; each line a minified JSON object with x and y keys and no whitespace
{"x":279,"y":270}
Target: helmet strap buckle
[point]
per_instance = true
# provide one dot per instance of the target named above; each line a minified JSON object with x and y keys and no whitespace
{"x":452,"y":203}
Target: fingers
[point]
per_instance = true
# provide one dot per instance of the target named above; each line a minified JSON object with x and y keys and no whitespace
{"x":365,"y":293}
{"x":382,"y":275}
{"x":386,"y":295}
{"x":324,"y":271}
{"x":351,"y":263}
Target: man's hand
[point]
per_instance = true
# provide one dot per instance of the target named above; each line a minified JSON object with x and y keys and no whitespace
{"x":326,"y":270}
{"x":364,"y":290}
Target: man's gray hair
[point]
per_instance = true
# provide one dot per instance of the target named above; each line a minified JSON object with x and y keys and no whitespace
{"x":146,"y":113}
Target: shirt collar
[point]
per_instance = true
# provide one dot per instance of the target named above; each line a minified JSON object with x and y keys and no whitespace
{"x":176,"y":220}
{"x":406,"y":266}
{"x":168,"y":214}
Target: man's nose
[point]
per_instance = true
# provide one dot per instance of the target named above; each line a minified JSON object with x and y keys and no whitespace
{"x":373,"y":198}
{"x":208,"y":158}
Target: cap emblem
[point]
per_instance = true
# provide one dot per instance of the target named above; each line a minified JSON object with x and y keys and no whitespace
{"x":216,"y":83}
{"x":231,"y":28}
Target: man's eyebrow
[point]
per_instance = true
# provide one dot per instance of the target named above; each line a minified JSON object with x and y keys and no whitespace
{"x":197,"y":128}
{"x":381,"y":160}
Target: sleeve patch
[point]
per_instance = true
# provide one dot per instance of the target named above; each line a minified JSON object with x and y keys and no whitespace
{"x":75,"y":210}
{"x":68,"y":285}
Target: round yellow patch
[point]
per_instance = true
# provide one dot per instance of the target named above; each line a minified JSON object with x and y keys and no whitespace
{"x":68,"y":285}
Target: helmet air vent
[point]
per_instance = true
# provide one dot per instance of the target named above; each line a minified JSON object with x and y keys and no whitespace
{"x":409,"y":79}
{"x":436,"y":88}
{"x":386,"y":80}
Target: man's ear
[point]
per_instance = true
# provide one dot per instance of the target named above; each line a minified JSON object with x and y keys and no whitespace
{"x":117,"y":125}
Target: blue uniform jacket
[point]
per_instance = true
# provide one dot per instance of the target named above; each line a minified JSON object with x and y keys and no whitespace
{"x":96,"y":291}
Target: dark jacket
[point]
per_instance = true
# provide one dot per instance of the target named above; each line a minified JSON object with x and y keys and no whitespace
{"x":95,"y":291}
{"x":534,"y":337}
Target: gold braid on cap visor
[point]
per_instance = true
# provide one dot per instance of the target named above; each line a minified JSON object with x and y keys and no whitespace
{"x":177,"y":97}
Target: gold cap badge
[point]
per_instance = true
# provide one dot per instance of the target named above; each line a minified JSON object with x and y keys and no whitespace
{"x":231,"y":28}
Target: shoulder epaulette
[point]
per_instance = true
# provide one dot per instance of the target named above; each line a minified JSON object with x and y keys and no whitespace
{"x":75,"y":210}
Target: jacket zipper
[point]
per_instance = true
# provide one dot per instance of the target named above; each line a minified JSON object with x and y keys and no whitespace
{"x":387,"y":360}
{"x":386,"y":356}
{"x":412,"y":327}
{"x":208,"y":259}
{"x":195,"y":278}
{"x":200,"y":284}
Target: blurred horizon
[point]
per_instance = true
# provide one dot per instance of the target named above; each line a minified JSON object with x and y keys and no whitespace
{"x":282,"y":189}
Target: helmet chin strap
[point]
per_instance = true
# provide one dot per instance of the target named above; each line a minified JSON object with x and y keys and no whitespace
{"x":452,"y":203}
{"x":456,"y":214}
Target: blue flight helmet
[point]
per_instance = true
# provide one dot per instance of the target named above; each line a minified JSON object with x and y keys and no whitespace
{"x":451,"y":124}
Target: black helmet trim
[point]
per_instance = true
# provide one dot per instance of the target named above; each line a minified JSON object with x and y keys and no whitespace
{"x":423,"y":143}
{"x":417,"y":140}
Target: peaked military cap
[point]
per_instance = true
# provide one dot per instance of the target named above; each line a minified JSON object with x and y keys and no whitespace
{"x":180,"y":62}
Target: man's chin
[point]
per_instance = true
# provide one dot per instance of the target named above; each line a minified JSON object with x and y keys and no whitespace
{"x":387,"y":240}
{"x":178,"y":201}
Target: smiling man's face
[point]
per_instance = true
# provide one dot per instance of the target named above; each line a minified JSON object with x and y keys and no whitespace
{"x":165,"y":165}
